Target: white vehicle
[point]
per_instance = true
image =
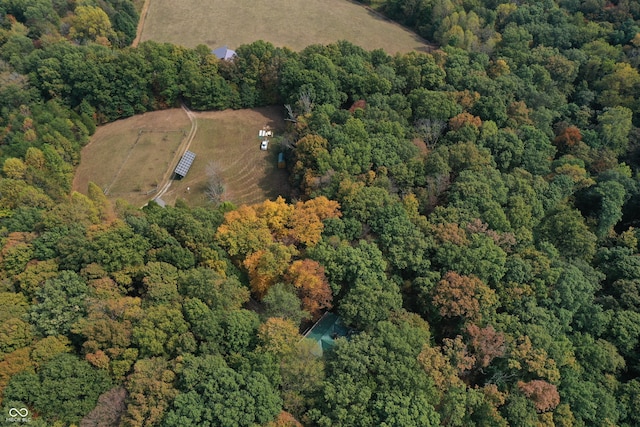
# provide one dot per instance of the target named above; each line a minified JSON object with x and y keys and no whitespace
{"x":264,"y":144}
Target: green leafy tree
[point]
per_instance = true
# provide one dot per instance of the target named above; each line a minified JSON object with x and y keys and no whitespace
{"x":281,"y":301}
{"x":368,"y":302}
{"x":64,"y":389}
{"x":614,"y":125}
{"x":565,"y":229}
{"x":215,"y":290}
{"x":162,"y":331}
{"x":239,"y":331}
{"x":160,"y":282}
{"x":361,"y":390}
{"x":60,"y":303}
{"x":214,"y":394}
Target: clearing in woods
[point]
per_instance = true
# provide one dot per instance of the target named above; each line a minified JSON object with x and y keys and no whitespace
{"x":285,"y":23}
{"x":131,"y":164}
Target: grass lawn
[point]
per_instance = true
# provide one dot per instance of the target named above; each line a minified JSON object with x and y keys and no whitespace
{"x":129,"y":163}
{"x":291,"y":23}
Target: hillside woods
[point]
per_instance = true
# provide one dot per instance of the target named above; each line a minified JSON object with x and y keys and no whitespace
{"x":469,"y":214}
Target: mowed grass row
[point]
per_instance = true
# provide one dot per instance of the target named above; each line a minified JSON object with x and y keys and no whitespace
{"x":285,"y":23}
{"x":131,"y":170}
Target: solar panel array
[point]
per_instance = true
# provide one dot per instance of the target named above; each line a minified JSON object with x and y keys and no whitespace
{"x":185,"y":163}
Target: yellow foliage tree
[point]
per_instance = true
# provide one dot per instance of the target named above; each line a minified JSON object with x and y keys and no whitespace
{"x":306,"y":223}
{"x":243,"y":232}
{"x":14,"y":168}
{"x":534,"y":360}
{"x":278,"y":336}
{"x":35,"y":158}
{"x":90,"y":23}
{"x":276,"y":215}
{"x":266,"y":267}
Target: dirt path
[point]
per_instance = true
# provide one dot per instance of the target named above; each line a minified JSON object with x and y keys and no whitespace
{"x":143,"y":17}
{"x":166,"y":183}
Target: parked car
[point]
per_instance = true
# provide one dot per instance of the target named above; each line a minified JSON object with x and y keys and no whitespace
{"x":264,"y":145}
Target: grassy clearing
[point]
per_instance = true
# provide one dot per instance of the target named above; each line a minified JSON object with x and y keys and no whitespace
{"x":130,"y":157}
{"x":230,"y":139}
{"x":131,"y":164}
{"x":291,"y":23}
{"x":138,"y":5}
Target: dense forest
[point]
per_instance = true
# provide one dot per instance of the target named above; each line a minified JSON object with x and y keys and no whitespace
{"x":469,"y":214}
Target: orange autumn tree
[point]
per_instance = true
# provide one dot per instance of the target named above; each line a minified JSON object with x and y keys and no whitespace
{"x":462,"y":296}
{"x":268,"y":240}
{"x":486,"y":342}
{"x":267,"y":266}
{"x":569,"y":137}
{"x":312,"y":287}
{"x":252,"y":228}
{"x":463,"y":119}
{"x":285,"y":419}
{"x":306,"y":222}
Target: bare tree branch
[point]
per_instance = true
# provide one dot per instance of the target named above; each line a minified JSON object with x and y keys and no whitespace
{"x":215,"y":183}
{"x":429,"y":130}
{"x":291,"y":117}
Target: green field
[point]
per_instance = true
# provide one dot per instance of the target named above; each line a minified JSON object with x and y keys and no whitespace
{"x":291,"y":23}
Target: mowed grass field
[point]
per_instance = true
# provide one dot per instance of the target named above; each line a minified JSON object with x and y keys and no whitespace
{"x":130,"y":164}
{"x":230,"y":140}
{"x":285,"y":23}
{"x":129,"y":158}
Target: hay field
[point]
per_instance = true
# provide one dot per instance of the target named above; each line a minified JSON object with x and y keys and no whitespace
{"x":291,"y":23}
{"x":131,"y":165}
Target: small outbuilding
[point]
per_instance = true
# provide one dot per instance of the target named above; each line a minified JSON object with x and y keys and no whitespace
{"x":185,"y":163}
{"x":281,"y":164}
{"x":325,"y":331}
{"x":224,"y":53}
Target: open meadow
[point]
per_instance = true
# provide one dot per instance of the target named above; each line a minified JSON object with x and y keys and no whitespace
{"x":129,"y":158}
{"x":285,"y":23}
{"x":130,"y":161}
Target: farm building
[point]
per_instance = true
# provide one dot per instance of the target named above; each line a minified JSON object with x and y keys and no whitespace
{"x":224,"y":53}
{"x":185,"y":163}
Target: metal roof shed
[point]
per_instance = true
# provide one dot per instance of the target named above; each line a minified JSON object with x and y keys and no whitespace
{"x":224,"y":53}
{"x":185,"y":164}
{"x":325,"y":331}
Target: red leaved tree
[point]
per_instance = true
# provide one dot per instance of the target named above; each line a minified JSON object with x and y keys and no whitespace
{"x":487,"y":344}
{"x":545,"y":396}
